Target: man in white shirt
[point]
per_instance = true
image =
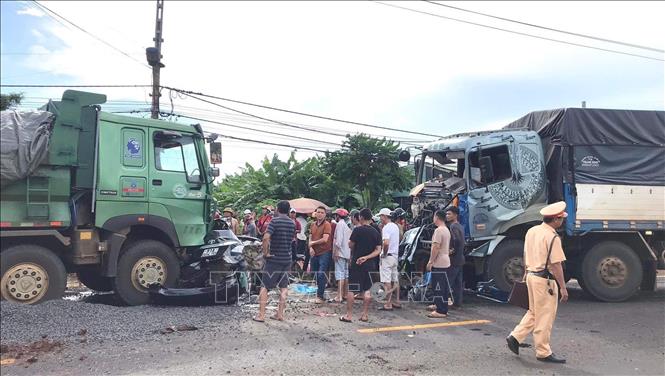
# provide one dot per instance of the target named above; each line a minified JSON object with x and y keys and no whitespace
{"x":342,"y":253}
{"x":388,"y":264}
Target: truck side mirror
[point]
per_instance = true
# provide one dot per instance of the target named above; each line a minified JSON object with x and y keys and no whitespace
{"x":486,"y":170}
{"x":404,"y":156}
{"x":214,"y":172}
{"x":216,"y":153}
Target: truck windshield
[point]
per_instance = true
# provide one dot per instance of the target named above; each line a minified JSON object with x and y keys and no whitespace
{"x":438,"y":166}
{"x":178,"y":156}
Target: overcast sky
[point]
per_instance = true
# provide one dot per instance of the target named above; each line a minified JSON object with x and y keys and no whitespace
{"x":359,"y":61}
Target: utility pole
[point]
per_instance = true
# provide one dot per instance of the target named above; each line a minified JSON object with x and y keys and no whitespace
{"x":154,"y":56}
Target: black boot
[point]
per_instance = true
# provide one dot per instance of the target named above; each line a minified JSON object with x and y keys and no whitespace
{"x":552,"y":359}
{"x":513,"y":345}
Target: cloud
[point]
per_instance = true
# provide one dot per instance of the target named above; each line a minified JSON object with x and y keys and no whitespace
{"x":37,"y":34}
{"x":353,"y":60}
{"x":29,"y":11}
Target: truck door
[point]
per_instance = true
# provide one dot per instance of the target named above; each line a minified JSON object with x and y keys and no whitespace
{"x":505,"y":179}
{"x":177,"y":190}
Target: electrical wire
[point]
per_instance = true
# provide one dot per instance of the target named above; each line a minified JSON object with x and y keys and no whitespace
{"x":72,"y":86}
{"x":519,"y":33}
{"x":256,"y":116}
{"x":300,"y":113}
{"x":547,"y":28}
{"x":251,"y":129}
{"x":52,"y":13}
{"x":191,"y":94}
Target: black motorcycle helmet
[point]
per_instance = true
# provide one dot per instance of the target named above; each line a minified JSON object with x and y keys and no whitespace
{"x":398,"y":214}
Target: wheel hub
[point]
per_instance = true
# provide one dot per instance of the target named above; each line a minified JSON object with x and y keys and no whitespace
{"x":24,"y":283}
{"x":613,"y":271}
{"x":513,"y":269}
{"x":147,"y":271}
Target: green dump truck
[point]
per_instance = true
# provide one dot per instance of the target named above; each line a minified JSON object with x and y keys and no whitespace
{"x":118,"y":200}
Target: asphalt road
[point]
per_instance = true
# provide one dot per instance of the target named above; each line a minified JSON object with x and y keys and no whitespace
{"x":596,"y":338}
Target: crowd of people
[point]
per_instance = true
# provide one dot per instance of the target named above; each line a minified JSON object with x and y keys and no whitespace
{"x":356,"y":247}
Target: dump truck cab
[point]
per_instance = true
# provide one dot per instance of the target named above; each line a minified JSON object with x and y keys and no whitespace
{"x":119,"y":200}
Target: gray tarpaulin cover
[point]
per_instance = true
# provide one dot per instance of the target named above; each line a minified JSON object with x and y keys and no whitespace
{"x":600,"y":146}
{"x":24,"y":138}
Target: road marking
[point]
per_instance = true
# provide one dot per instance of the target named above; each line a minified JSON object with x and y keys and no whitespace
{"x":7,"y":361}
{"x":422,"y":326}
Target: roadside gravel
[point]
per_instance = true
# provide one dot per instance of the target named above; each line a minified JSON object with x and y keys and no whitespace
{"x":68,"y":320}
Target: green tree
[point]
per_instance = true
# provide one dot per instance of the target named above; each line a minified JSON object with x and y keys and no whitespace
{"x":280,"y":180}
{"x":10,"y":100}
{"x":370,"y":166}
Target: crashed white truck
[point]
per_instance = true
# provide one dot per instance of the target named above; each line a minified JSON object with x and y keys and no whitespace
{"x":607,"y":165}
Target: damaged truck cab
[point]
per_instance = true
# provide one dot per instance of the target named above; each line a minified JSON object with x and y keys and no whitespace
{"x":119,"y":200}
{"x":501,"y":179}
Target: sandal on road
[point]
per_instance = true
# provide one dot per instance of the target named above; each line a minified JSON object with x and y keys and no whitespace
{"x":437,"y":315}
{"x":344,"y":319}
{"x":364,"y":319}
{"x":258,"y":319}
{"x":382,"y":308}
{"x":274,"y":317}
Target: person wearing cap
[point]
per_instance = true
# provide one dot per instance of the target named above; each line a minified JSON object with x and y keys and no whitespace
{"x":342,"y":253}
{"x":228,"y":217}
{"x":541,"y":266}
{"x":388,"y":262}
{"x":250,"y":226}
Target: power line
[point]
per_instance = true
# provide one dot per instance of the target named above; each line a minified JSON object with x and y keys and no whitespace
{"x":299,"y":113}
{"x":247,"y":128}
{"x":73,"y":86}
{"x":519,"y":33}
{"x":547,"y":28}
{"x":256,"y":116}
{"x":273,"y":143}
{"x":51,"y":13}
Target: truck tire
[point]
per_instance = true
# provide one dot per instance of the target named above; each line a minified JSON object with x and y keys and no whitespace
{"x":143,"y":263}
{"x":506,"y":264}
{"x":31,"y":274}
{"x":611,"y":272}
{"x":93,"y":280}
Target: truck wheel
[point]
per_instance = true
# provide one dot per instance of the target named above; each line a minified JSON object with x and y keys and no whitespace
{"x":611,"y":272}
{"x":31,"y":274}
{"x":506,"y":264}
{"x":93,"y":280}
{"x":142,"y":264}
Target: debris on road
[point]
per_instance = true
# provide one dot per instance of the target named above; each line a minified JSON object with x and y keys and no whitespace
{"x":11,"y":353}
{"x":178,"y":328}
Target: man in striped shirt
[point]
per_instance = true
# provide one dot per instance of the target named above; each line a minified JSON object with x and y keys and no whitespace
{"x":277,"y":252}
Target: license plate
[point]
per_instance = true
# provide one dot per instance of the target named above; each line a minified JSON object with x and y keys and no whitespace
{"x":210,"y":252}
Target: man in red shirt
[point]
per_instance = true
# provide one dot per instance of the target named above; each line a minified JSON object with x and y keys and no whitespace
{"x":264,"y":220}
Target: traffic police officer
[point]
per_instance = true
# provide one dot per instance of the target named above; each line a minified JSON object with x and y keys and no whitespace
{"x":543,"y":291}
